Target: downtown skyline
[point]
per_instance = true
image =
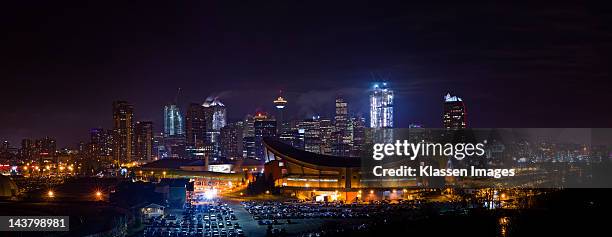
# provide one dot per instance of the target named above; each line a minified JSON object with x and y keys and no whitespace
{"x":508,"y":61}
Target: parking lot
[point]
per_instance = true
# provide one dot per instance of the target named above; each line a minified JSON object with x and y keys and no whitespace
{"x":216,"y":219}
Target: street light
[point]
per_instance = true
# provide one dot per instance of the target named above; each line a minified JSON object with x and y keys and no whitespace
{"x":50,"y":194}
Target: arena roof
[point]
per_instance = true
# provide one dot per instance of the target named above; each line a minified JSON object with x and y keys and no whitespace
{"x":310,"y":157}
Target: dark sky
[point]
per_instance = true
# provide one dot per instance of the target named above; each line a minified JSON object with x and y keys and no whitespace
{"x":63,"y":64}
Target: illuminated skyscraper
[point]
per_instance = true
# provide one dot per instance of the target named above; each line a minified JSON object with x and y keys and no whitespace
{"x":326,"y":131}
{"x":454,"y":112}
{"x":263,"y":126}
{"x":195,"y":125}
{"x":215,"y":114}
{"x":123,"y":130}
{"x":280,"y":104}
{"x":231,"y":140}
{"x":381,"y":106}
{"x":248,"y":137}
{"x":144,"y":140}
{"x":173,"y":121}
{"x":215,"y":117}
{"x":359,"y":133}
{"x":311,"y":128}
{"x":342,"y":137}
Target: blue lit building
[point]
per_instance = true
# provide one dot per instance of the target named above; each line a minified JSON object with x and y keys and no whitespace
{"x":173,"y":121}
{"x":454,"y":112}
{"x":381,"y":106}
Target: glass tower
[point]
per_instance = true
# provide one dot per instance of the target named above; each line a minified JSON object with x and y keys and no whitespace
{"x":381,"y":106}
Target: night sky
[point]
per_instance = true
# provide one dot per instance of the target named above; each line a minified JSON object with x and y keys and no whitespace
{"x":514,"y":65}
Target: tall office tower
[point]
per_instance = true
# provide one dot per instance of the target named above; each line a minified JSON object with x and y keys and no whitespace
{"x":454,"y":112}
{"x":326,"y":130}
{"x":359,"y":135}
{"x":215,"y":117}
{"x":123,"y":130}
{"x":195,"y":125}
{"x":27,"y":149}
{"x":231,"y":140}
{"x":144,"y":140}
{"x":280,"y":104}
{"x":263,"y":126}
{"x":248,"y":137}
{"x":342,"y":137}
{"x":381,"y":107}
{"x":311,"y":130}
{"x":173,"y":121}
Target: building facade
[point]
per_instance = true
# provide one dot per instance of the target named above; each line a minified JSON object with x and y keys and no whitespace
{"x":454,"y":112}
{"x":144,"y":140}
{"x":123,"y":129}
{"x":381,"y":106}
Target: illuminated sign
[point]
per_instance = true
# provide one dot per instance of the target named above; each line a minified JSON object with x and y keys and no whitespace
{"x":220,"y":168}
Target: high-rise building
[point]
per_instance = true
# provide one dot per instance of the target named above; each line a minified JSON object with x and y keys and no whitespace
{"x":342,"y":137}
{"x":173,"y":121}
{"x":359,"y":135}
{"x":279,"y":104}
{"x":381,"y":106}
{"x":454,"y":112}
{"x":123,"y":130}
{"x":215,"y":117}
{"x":263,"y":127}
{"x":144,"y":140}
{"x":326,"y":131}
{"x":232,"y":140}
{"x":311,"y":130}
{"x":101,"y":143}
{"x":248,"y":137}
{"x":195,"y":125}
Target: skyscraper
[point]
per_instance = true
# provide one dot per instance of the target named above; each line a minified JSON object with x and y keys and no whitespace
{"x":359,"y":135}
{"x":263,"y":127}
{"x":381,"y":106}
{"x":326,"y":131}
{"x":231,"y":140}
{"x":280,"y":104}
{"x":215,"y":116}
{"x":342,"y":137}
{"x":101,"y":142}
{"x":195,"y":125}
{"x":123,"y":129}
{"x":454,"y":112}
{"x":248,"y":137}
{"x":144,"y":140}
{"x":311,"y":130}
{"x":173,"y":121}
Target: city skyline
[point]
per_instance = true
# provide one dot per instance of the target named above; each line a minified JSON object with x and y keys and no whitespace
{"x":61,"y":76}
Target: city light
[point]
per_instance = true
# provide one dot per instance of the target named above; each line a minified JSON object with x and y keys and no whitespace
{"x":50,"y":194}
{"x":210,"y":194}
